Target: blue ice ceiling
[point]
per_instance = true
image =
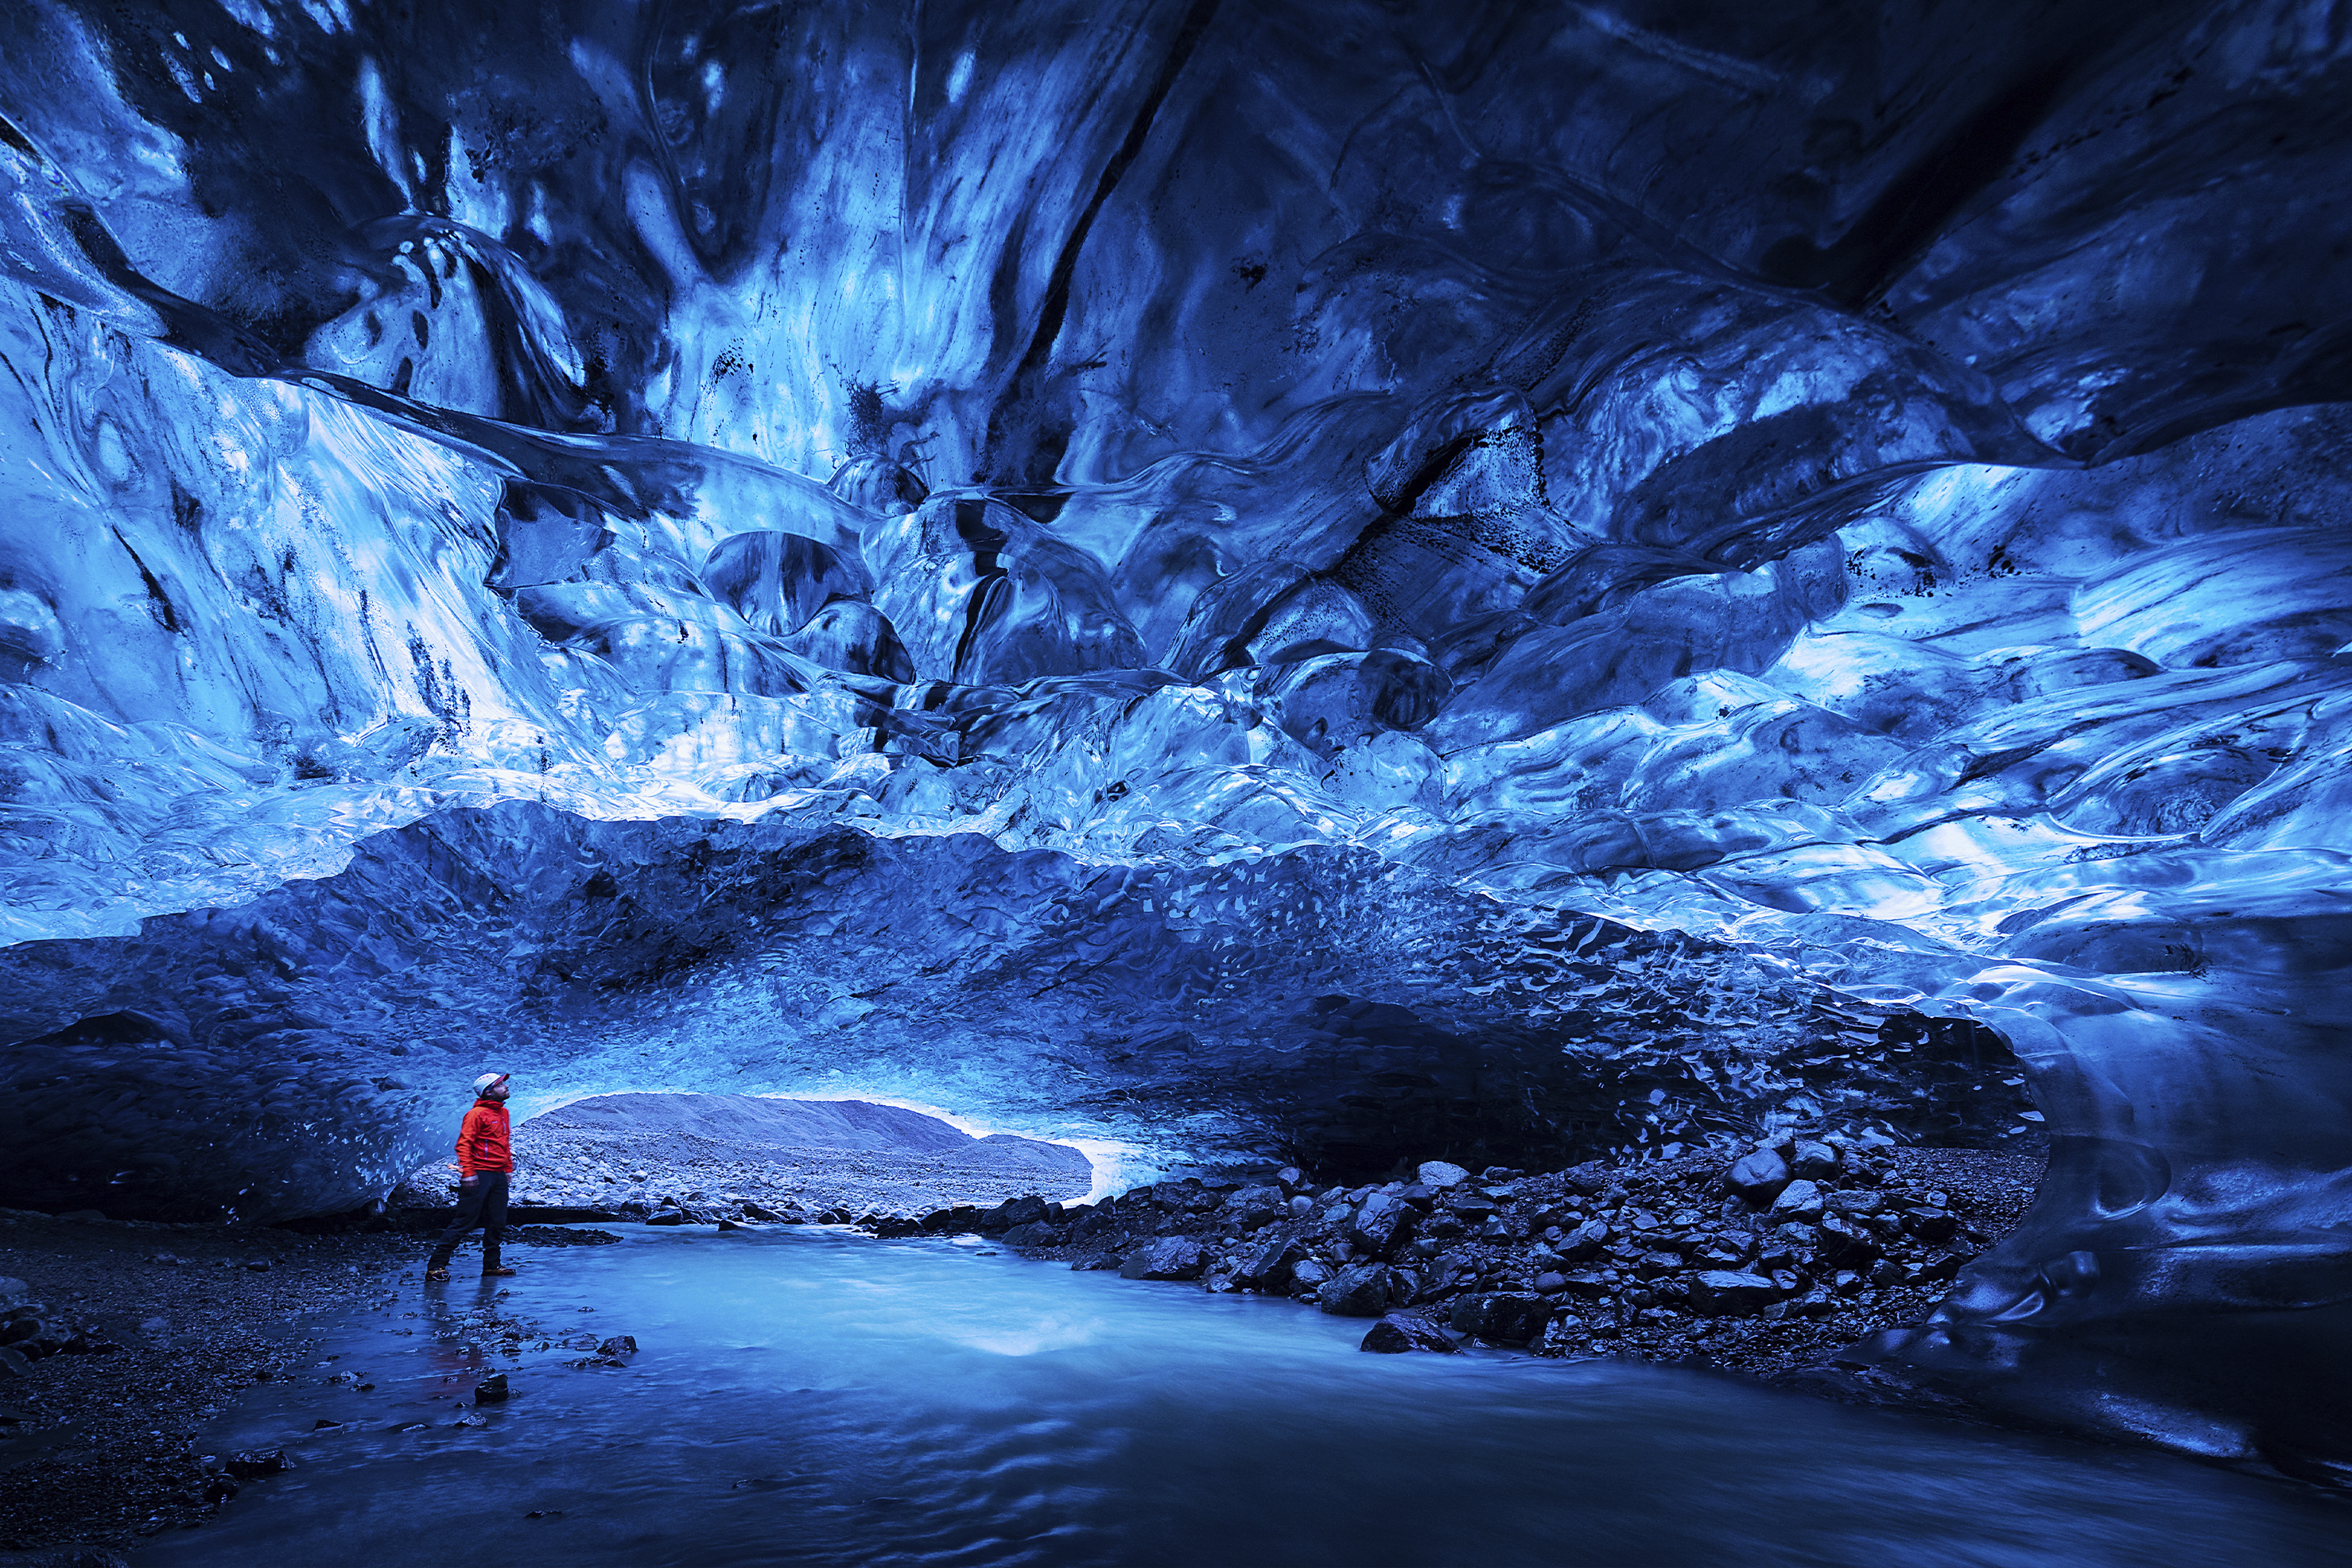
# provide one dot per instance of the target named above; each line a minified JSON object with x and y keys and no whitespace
{"x":1853,"y":492}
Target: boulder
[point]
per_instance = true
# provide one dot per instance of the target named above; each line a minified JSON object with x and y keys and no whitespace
{"x":1254,"y":1208}
{"x":1799,"y":1201}
{"x":492,"y":1390}
{"x":1504,"y":1317}
{"x":1587,"y":1180}
{"x":1758,"y":1176}
{"x":1036,"y":1233}
{"x":618,"y":1345}
{"x":1719,"y":1293}
{"x":1266,"y":1266}
{"x":1586,"y":1284}
{"x":1027,"y":1209}
{"x":1169,"y":1258}
{"x":1813,"y":1160}
{"x":1845,"y":1244}
{"x":1361,"y":1292}
{"x":1398,"y":1332}
{"x":1722,"y":1252}
{"x":1584,"y":1241}
{"x":666,"y":1216}
{"x":1440,"y":1174}
{"x":256,"y":1462}
{"x":1378,"y":1225}
{"x":1308,"y":1273}
{"x":1561,"y":1337}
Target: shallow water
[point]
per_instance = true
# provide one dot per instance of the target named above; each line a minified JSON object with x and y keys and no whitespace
{"x":808,"y":1396}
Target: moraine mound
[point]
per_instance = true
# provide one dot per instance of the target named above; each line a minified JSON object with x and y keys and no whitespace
{"x":711,"y":1154}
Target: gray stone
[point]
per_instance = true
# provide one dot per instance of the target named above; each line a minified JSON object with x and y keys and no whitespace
{"x":1378,"y":1225}
{"x":1266,"y":1266}
{"x":1719,"y":1292}
{"x":1027,"y":1209}
{"x":1398,"y":1332}
{"x":1758,"y":1176}
{"x":1169,"y":1258}
{"x":1441,"y":1174}
{"x":1799,"y":1202}
{"x":1846,"y":1244}
{"x":1361,"y":1292}
{"x":1254,"y":1208}
{"x":1504,"y":1317}
{"x":1813,"y":1160}
{"x":1308,"y":1273}
{"x":1587,"y":1180}
{"x":666,"y":1216}
{"x":1722,"y":1252}
{"x":1585,"y":1240}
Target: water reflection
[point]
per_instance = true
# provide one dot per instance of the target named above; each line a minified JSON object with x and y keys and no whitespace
{"x":818,"y":1398}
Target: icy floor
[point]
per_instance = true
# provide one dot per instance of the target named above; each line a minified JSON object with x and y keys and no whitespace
{"x":818,"y":1397}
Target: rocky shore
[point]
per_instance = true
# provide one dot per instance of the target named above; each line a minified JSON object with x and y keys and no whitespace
{"x":120,"y":1341}
{"x":1768,"y":1265}
{"x":123,"y":1339}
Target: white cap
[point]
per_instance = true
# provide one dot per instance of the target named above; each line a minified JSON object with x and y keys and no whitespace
{"x":488,"y":1081}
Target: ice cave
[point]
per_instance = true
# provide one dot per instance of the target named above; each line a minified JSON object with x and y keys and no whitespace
{"x":1320,"y":582}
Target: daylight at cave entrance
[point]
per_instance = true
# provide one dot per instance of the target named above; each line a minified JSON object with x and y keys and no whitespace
{"x":1322,"y":584}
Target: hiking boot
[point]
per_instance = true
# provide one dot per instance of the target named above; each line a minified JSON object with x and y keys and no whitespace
{"x":495,"y":1268}
{"x":436,"y":1274}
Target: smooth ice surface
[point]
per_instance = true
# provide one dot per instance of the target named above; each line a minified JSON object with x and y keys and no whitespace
{"x":1859,"y":492}
{"x":825,"y":1399}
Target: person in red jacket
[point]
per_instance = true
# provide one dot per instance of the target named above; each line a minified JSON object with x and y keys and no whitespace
{"x":485,"y":1162}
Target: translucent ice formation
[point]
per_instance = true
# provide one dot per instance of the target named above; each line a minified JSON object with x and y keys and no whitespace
{"x":1209,"y":552}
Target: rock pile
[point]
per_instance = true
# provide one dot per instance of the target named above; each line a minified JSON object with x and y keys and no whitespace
{"x":1798,"y":1246}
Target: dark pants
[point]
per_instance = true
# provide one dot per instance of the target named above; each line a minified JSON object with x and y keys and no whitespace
{"x":481,"y":1200}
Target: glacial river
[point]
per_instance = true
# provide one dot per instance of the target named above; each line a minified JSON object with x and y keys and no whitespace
{"x":814,"y":1397}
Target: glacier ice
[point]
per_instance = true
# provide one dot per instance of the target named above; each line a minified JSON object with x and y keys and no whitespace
{"x":1202,"y":575}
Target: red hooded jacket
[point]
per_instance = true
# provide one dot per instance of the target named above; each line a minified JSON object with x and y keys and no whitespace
{"x":482,"y":1138}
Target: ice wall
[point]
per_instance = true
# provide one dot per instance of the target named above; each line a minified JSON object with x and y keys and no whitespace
{"x":1853,"y":492}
